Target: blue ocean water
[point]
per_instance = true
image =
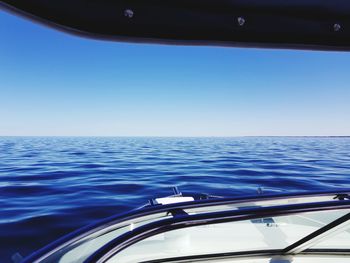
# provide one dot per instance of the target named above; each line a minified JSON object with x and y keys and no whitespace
{"x":50,"y":186}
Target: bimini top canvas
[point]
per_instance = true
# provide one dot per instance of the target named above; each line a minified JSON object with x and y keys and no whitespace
{"x":299,"y":24}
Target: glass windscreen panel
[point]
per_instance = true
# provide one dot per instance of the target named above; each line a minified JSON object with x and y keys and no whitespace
{"x":249,"y":235}
{"x":77,"y":252}
{"x":339,"y":239}
{"x":263,"y":203}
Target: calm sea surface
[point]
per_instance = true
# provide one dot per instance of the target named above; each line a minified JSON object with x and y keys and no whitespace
{"x":50,"y":186}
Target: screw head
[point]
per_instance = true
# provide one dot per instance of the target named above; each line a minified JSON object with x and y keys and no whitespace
{"x":241,"y":21}
{"x":128,"y":13}
{"x":336,"y":27}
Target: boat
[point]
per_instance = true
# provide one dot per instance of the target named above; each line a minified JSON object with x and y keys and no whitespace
{"x":275,"y":228}
{"x":312,"y":227}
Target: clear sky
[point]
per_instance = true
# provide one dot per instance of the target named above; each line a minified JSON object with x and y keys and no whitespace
{"x":52,"y":83}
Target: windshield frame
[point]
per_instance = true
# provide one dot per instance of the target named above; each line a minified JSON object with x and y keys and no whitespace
{"x":182,"y":220}
{"x":79,"y":234}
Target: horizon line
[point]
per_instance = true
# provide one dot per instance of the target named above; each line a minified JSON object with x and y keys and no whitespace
{"x":179,"y":136}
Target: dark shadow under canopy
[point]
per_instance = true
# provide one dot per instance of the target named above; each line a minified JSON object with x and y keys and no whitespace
{"x":298,"y":24}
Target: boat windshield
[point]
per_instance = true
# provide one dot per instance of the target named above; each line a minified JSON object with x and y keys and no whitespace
{"x":284,"y":225}
{"x":270,"y":233}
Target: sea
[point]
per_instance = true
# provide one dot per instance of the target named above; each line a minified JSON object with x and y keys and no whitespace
{"x":50,"y":186}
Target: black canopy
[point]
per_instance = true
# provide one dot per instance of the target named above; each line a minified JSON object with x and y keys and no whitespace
{"x":300,"y":24}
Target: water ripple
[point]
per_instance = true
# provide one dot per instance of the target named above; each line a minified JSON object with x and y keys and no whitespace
{"x":51,"y":186}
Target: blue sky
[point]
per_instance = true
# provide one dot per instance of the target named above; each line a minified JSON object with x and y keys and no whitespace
{"x":52,"y":83}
